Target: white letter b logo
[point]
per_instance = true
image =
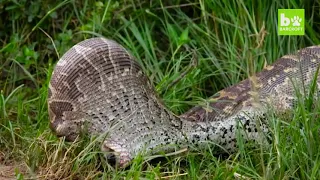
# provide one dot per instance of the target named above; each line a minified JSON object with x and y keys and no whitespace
{"x":284,"y":21}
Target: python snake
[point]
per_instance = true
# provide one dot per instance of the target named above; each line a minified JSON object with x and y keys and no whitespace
{"x":98,"y":86}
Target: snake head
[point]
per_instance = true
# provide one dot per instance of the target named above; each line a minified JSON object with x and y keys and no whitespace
{"x":116,"y":153}
{"x":133,"y":137}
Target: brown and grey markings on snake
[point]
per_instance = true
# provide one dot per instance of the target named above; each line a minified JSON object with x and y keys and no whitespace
{"x":98,"y":86}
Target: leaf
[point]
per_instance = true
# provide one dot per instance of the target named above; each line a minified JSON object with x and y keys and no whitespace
{"x":184,"y":37}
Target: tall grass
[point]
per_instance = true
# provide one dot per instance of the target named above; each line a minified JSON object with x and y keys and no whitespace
{"x":189,"y":50}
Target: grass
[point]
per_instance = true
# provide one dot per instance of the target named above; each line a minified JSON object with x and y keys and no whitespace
{"x":229,"y":42}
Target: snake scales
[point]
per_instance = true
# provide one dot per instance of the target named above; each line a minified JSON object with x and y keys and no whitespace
{"x":98,"y":86}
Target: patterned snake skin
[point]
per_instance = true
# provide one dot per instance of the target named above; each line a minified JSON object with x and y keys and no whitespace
{"x":97,"y":86}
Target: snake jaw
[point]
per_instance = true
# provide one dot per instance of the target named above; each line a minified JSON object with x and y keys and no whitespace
{"x":117,"y":154}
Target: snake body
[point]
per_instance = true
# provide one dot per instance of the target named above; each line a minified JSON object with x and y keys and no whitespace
{"x":97,"y":86}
